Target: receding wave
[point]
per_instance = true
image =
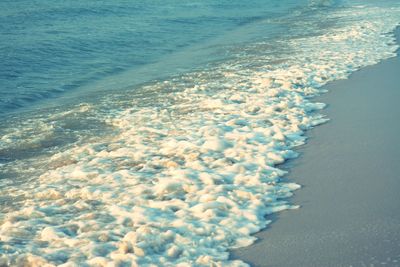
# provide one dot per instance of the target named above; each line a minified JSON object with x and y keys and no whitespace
{"x":188,"y":170}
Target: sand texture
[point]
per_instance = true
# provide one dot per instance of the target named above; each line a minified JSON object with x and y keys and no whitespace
{"x":350,"y":170}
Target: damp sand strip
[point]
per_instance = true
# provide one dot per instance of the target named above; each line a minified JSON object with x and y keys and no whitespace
{"x":350,"y":170}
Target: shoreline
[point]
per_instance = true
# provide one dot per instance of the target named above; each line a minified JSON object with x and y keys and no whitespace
{"x":349,"y":171}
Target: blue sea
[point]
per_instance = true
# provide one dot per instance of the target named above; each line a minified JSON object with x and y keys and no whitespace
{"x":150,"y":132}
{"x":51,"y":48}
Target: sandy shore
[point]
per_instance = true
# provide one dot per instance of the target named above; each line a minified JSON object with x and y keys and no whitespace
{"x":350,"y":170}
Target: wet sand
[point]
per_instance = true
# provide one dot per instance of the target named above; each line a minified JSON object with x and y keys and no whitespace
{"x":350,"y":172}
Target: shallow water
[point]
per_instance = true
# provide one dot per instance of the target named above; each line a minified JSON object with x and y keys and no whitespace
{"x":156,"y":140}
{"x":53,"y":47}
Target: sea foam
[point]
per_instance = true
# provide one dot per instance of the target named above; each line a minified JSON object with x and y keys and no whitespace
{"x":183,"y":183}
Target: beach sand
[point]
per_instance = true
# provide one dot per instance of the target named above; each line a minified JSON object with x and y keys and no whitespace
{"x":350,"y":172}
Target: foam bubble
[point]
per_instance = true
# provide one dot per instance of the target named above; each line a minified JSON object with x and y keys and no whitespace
{"x":181,"y":185}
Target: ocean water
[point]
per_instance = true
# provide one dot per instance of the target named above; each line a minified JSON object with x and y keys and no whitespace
{"x":150,"y":133}
{"x":51,"y":47}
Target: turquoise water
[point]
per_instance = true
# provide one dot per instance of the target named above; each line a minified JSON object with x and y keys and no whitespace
{"x":150,"y":133}
{"x":49,"y":48}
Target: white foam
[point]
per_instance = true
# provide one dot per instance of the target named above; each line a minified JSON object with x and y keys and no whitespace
{"x":183,"y":185}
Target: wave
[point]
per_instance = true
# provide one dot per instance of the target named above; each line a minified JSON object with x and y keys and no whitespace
{"x":324,"y":3}
{"x":189,"y":169}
